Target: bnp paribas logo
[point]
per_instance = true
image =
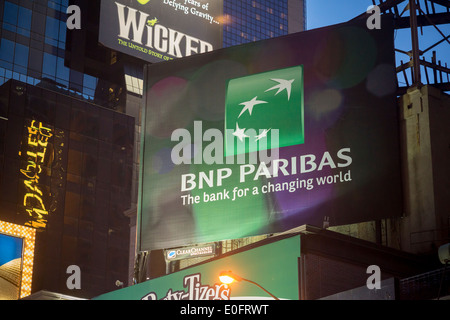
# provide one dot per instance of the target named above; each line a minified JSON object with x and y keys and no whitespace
{"x":264,"y":111}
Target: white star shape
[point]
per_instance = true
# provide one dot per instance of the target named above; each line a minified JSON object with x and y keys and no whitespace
{"x":282,"y":85}
{"x":239,"y":133}
{"x":262,"y":135}
{"x":249,"y":105}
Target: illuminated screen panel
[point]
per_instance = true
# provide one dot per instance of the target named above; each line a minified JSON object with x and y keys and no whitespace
{"x":265,"y":137}
{"x":16,"y":260}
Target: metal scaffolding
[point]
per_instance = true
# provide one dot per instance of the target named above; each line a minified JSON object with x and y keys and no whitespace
{"x":417,"y":71}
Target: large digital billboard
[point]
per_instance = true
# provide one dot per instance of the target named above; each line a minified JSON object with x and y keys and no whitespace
{"x":160,"y":30}
{"x":267,"y":136}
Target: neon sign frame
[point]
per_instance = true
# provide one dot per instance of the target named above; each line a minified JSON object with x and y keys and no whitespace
{"x":29,"y":236}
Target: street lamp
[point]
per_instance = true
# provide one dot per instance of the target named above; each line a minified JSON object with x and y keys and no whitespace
{"x":228,"y":277}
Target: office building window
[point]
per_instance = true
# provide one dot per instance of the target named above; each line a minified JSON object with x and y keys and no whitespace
{"x":7,"y":51}
{"x":51,"y":31}
{"x":10,"y":16}
{"x":21,"y":55}
{"x":49,"y":66}
{"x":24,"y":21}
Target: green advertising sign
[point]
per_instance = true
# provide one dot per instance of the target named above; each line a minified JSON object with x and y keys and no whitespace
{"x":267,"y":136}
{"x":259,"y":103}
{"x":277,"y":273}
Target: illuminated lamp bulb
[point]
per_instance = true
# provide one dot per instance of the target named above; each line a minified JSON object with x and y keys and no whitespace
{"x":227,"y":277}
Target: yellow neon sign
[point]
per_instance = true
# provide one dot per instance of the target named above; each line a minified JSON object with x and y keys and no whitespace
{"x":37,"y":143}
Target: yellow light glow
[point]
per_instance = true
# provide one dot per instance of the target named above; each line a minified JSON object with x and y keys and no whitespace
{"x":38,"y":136}
{"x":29,"y":236}
{"x":225,"y":19}
{"x":226,"y":279}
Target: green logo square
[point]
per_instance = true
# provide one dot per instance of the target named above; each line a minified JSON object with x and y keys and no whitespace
{"x":263,"y":108}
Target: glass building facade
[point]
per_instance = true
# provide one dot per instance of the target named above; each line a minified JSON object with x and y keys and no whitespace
{"x":248,"y":21}
{"x":32,"y":46}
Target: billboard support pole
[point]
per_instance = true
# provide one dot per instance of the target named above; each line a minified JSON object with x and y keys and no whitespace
{"x":415,"y":43}
{"x":140,"y":264}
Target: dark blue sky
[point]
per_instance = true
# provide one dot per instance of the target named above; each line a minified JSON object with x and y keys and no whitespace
{"x":322,"y":13}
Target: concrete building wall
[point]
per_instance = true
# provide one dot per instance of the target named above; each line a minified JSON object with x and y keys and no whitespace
{"x":425,"y":142}
{"x":439,"y":114}
{"x":425,"y":133}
